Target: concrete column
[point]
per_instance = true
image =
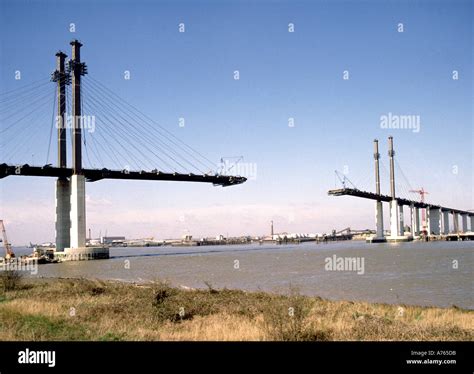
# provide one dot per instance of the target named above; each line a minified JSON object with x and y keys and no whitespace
{"x":78,"y":211}
{"x":396,"y":210}
{"x":415,"y":221}
{"x":401,"y":225}
{"x":423,"y":219}
{"x":391,"y":155}
{"x":445,"y":222}
{"x":464,"y":222}
{"x":63,"y":190}
{"x":78,"y":184}
{"x":78,"y":249}
{"x":379,"y":220}
{"x":472,"y":223}
{"x":394,"y":220}
{"x":63,"y":220}
{"x":378,"y":205}
{"x":456,"y":227}
{"x":77,"y":72}
{"x":434,"y":221}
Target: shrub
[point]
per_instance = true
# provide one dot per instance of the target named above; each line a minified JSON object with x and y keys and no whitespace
{"x":176,"y":305}
{"x":287,"y":319}
{"x":10,"y":280}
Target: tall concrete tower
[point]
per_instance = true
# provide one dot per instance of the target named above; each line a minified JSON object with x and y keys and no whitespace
{"x":396,"y":211}
{"x":63,"y":191}
{"x":379,"y":234}
{"x":78,"y":249}
{"x":78,"y":184}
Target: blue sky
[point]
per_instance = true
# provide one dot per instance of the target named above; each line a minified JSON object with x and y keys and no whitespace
{"x":282,"y":75}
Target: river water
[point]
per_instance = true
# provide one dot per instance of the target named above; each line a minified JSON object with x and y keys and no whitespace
{"x":417,"y":273}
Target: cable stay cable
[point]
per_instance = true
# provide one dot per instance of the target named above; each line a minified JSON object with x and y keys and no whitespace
{"x":112,"y":133}
{"x":149,"y":120}
{"x":113,"y":153}
{"x":52,"y":126}
{"x":95,"y":148}
{"x":384,"y":175}
{"x":41,"y":102}
{"x":19,"y":102}
{"x":86,"y":149}
{"x":30,"y":86}
{"x":27,"y":126}
{"x":116,"y":140}
{"x":110,"y":114}
{"x":30,"y":136}
{"x":156,"y":126}
{"x":401,"y":184}
{"x":144,"y":137}
{"x":139,"y":137}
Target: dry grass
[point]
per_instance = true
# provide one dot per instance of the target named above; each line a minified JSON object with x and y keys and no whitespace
{"x":63,"y":309}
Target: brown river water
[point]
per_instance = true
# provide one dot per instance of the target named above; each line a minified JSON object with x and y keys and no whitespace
{"x":417,"y":273}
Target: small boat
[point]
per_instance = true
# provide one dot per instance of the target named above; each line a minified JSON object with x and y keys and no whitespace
{"x":40,"y":255}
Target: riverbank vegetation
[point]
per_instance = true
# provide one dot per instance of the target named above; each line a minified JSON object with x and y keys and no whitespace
{"x":79,"y":309}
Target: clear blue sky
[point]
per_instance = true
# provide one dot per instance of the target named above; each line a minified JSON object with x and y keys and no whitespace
{"x":282,"y":75}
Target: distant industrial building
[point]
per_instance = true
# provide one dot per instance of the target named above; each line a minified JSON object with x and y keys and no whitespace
{"x":112,"y":240}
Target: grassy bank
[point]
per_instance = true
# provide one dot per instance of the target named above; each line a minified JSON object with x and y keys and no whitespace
{"x":66,"y":309}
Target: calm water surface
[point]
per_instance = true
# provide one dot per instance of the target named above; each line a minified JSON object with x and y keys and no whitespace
{"x":414,"y":273}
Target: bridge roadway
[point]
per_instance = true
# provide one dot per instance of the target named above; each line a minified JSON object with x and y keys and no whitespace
{"x":93,"y":175}
{"x":386,"y":198}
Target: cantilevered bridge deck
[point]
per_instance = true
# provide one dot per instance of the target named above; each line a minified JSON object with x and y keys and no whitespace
{"x":386,"y":198}
{"x":93,"y":175}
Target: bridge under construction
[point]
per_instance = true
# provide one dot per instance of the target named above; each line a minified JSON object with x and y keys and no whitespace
{"x":438,"y":217}
{"x":128,"y":124}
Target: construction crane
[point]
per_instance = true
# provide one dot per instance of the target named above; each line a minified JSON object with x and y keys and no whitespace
{"x":347,"y":229}
{"x":226,"y":162}
{"x":422,"y":194}
{"x":343,"y":179}
{"x":8,"y":247}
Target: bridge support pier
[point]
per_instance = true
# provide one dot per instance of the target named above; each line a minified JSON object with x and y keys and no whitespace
{"x":415,"y":221}
{"x":379,"y":234}
{"x":445,"y":222}
{"x":78,"y":211}
{"x":456,"y":223}
{"x":401,"y":225}
{"x":394,"y":221}
{"x":464,"y":222}
{"x":379,"y":220}
{"x":434,"y":221}
{"x":63,"y":219}
{"x":396,"y":232}
{"x":78,"y":250}
{"x":472,"y":223}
